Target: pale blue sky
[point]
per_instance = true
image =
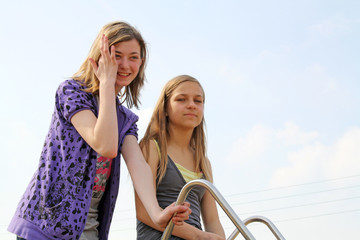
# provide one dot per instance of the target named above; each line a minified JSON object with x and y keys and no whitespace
{"x":282,"y":86}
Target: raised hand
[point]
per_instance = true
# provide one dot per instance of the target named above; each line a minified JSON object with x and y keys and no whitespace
{"x":106,"y":69}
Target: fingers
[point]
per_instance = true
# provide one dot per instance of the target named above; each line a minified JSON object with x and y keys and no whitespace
{"x":106,"y":67}
{"x":104,"y":48}
{"x":113,"y":53}
{"x":177,"y":222}
{"x":183,"y":208}
{"x":93,"y":64}
{"x":182,"y":213}
{"x":186,"y":204}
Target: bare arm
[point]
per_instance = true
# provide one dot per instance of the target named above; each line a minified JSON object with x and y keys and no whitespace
{"x":186,"y":230}
{"x":142,"y":178}
{"x":210,"y":215}
{"x":101,"y":133}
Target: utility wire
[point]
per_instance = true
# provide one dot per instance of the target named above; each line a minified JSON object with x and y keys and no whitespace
{"x":309,"y":217}
{"x":294,"y":185}
{"x":296,"y":195}
{"x":319,"y":215}
{"x":295,"y":206}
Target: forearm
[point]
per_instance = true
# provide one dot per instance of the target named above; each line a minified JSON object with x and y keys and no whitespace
{"x":215,"y":227}
{"x":103,"y":132}
{"x":141,"y":175}
{"x":142,"y":179}
{"x":210,"y":216}
{"x":106,"y":127}
{"x":185,"y":231}
{"x":100,"y":132}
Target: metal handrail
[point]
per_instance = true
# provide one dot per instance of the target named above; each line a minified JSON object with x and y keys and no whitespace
{"x":221,"y":201}
{"x":263,"y":220}
{"x":240,"y":225}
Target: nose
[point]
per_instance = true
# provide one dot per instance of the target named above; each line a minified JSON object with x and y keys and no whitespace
{"x":191,"y":104}
{"x":123,"y":63}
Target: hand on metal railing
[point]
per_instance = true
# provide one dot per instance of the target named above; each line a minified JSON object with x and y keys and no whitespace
{"x":221,"y":201}
{"x":240,"y":225}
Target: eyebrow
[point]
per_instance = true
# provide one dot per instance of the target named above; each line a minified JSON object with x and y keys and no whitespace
{"x":184,"y":94}
{"x":130,"y":53}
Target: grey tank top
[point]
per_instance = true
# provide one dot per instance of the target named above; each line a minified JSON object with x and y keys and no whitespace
{"x":167,"y":192}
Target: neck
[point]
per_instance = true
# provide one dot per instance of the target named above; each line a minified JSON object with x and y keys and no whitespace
{"x":118,"y":89}
{"x":180,"y":137}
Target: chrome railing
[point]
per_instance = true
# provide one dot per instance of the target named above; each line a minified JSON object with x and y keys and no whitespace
{"x":263,"y":220}
{"x":240,"y":225}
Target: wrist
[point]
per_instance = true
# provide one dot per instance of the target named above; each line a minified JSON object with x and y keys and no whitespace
{"x":106,"y":85}
{"x":198,"y":235}
{"x":206,"y":235}
{"x":154,"y":214}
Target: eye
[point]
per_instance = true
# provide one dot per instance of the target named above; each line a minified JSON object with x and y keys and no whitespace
{"x":117,"y":56}
{"x":134,"y":57}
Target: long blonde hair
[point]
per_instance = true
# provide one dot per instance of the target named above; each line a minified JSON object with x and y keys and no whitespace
{"x":116,"y":32}
{"x":158,"y":130}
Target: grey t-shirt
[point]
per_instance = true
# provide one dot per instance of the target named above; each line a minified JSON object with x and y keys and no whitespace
{"x":166,"y":193}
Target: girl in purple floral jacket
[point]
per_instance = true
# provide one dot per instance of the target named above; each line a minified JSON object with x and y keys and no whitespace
{"x":73,"y":192}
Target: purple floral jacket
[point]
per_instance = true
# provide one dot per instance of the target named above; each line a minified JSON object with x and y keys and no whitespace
{"x":56,"y":202}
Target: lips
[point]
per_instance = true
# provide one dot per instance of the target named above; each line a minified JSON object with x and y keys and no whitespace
{"x":124,"y":74}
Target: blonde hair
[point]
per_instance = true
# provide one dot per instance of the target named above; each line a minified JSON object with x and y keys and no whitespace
{"x":158,"y":130}
{"x":116,"y":32}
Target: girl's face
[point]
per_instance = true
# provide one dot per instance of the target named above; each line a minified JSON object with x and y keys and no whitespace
{"x":128,"y":58}
{"x":185,"y":108}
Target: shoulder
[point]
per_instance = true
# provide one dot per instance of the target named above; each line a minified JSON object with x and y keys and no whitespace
{"x":71,"y":98}
{"x":72,"y":87}
{"x":154,"y":146}
{"x":128,"y":113}
{"x":151,"y":152}
{"x":71,"y":83}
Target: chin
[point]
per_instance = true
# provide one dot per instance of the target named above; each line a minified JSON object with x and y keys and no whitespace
{"x":125,"y":81}
{"x":122,"y":83}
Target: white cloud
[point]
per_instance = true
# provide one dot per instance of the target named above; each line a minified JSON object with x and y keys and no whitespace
{"x":304,"y":158}
{"x":231,"y":73}
{"x":262,"y":138}
{"x":292,"y":135}
{"x":304,"y":164}
{"x":320,"y":161}
{"x":346,"y":158}
{"x":332,"y":26}
{"x":252,"y":146}
{"x":317,"y":75}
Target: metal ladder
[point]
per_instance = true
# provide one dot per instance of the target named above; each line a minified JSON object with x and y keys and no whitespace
{"x":240,"y":225}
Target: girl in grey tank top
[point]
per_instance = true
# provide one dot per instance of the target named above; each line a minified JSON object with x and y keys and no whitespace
{"x":174,"y":145}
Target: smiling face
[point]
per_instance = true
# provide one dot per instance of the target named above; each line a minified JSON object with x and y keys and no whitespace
{"x":185,"y":107}
{"x":128,"y":58}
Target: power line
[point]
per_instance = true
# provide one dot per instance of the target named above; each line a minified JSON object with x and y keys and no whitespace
{"x":319,"y":215}
{"x":297,"y":206}
{"x":311,"y":216}
{"x":271,"y":189}
{"x":296,"y":195}
{"x":294,"y":185}
{"x":275,"y":198}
